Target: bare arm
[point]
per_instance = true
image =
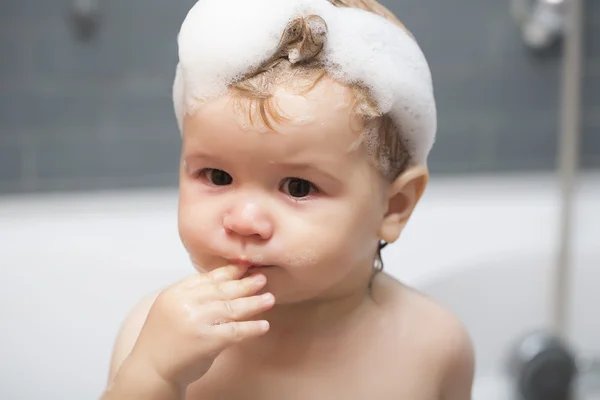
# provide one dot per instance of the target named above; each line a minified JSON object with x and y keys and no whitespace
{"x":172,"y":338}
{"x":459,"y":366}
{"x":129,"y":377}
{"x":136,"y":381}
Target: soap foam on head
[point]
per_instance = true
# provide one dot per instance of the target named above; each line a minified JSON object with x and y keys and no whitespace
{"x":221,"y":41}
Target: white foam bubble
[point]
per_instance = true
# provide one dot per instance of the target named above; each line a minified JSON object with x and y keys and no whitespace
{"x":222,"y":40}
{"x":303,"y":257}
{"x":398,"y":75}
{"x":257,"y":259}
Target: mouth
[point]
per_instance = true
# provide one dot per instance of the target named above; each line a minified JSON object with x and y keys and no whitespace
{"x":256,"y":267}
{"x":249,"y":265}
{"x":251,"y":268}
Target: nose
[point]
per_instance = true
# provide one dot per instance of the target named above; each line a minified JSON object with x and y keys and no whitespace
{"x":248,"y":219}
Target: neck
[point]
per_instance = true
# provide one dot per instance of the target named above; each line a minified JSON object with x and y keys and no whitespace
{"x":299,"y":329}
{"x":313,"y":316}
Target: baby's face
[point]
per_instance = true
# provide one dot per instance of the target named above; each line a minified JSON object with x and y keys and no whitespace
{"x":302,"y":203}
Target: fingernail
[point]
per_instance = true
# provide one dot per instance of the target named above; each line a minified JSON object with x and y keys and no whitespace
{"x":267,"y":298}
{"x":264,"y":325}
{"x":259,"y":279}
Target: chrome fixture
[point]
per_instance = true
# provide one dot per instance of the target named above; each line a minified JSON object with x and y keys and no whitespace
{"x":85,"y":18}
{"x":542,"y":22}
{"x":542,"y":365}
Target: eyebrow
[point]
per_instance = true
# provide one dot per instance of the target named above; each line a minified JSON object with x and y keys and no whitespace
{"x":300,"y":166}
{"x":197,"y":154}
{"x":297,"y":166}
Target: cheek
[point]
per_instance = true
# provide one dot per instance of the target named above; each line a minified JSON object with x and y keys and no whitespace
{"x":199,"y":230}
{"x":306,"y":256}
{"x":337,"y":239}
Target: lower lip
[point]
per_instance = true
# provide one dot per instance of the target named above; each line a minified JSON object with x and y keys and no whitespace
{"x":256,"y":268}
{"x":253,"y":267}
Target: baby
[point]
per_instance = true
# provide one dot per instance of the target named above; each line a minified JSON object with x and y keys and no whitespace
{"x":306,"y":126}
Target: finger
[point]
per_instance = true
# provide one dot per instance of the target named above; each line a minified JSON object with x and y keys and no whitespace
{"x":238,"y":309}
{"x":234,"y":289}
{"x":227,"y":273}
{"x":238,"y":331}
{"x":221,"y":274}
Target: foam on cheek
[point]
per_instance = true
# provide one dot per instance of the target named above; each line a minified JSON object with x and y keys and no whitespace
{"x":257,"y":259}
{"x":303,"y":257}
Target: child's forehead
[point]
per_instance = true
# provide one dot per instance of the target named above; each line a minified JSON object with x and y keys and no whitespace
{"x":327,"y":101}
{"x":320,"y":127}
{"x":327,"y":108}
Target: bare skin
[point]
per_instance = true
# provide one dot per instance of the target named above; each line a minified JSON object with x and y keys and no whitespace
{"x":398,"y":342}
{"x":306,"y":209}
{"x":187,"y":326}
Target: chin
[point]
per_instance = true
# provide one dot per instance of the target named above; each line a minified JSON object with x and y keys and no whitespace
{"x":279,"y":285}
{"x":260,"y":269}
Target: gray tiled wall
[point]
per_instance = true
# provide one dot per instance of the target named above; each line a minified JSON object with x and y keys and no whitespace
{"x":86,"y":115}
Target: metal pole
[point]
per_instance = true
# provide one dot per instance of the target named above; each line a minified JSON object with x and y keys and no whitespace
{"x":568,"y":155}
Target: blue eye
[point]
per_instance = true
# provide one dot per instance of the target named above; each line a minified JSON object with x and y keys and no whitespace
{"x":216,"y":176}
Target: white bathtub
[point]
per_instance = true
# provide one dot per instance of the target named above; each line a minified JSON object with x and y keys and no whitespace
{"x":72,"y":266}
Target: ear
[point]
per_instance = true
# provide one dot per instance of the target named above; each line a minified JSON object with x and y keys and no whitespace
{"x":402,"y":197}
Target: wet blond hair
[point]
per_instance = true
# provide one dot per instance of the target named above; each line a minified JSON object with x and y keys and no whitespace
{"x":295,"y":63}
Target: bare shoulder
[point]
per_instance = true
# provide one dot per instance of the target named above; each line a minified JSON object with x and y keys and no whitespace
{"x":129,"y":332}
{"x":438,"y":336}
{"x":450,"y":347}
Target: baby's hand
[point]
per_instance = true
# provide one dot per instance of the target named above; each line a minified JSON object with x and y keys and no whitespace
{"x":194,"y":320}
